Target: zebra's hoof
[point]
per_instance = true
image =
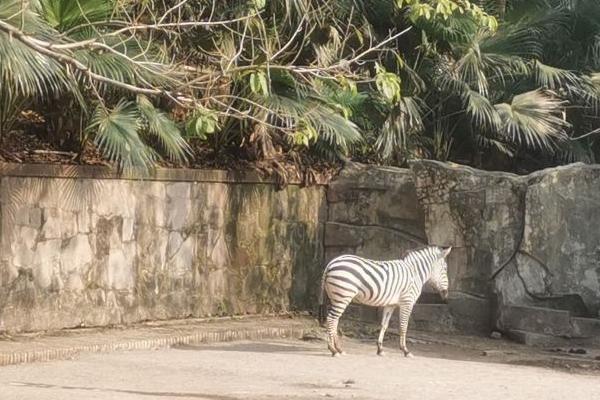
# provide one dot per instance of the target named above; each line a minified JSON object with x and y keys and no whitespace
{"x":409,"y":355}
{"x":381,"y":353}
{"x":335,"y":355}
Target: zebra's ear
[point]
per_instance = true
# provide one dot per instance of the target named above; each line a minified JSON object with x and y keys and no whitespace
{"x":446,"y":251}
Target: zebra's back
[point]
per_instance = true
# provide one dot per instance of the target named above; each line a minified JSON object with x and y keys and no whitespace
{"x":372,"y":282}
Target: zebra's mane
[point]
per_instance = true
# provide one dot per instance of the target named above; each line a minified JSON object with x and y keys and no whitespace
{"x":416,"y":250}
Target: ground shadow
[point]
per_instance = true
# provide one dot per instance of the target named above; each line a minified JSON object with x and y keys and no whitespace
{"x":206,"y":396}
{"x":258,"y":347}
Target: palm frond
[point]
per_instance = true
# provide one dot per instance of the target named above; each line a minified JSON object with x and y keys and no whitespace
{"x":116,"y":135}
{"x":400,"y":132}
{"x":164,"y":129}
{"x":332,"y":127}
{"x":67,"y":14}
{"x":486,"y":142}
{"x":26,"y":72}
{"x":534,"y":120}
{"x":483,"y":114}
{"x":471,"y":68}
{"x":555,"y":78}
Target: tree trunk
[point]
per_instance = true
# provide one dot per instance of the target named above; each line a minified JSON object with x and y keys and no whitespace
{"x":501,"y":9}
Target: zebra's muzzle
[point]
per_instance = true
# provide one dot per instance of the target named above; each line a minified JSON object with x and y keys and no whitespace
{"x":444,"y":296}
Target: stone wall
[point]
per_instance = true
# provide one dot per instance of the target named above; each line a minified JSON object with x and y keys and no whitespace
{"x":526,"y":250}
{"x":81,"y":248}
{"x":526,"y":247}
{"x":372,"y":212}
{"x":377,"y":212}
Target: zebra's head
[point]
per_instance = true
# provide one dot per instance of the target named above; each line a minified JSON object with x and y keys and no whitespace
{"x":439,"y":273}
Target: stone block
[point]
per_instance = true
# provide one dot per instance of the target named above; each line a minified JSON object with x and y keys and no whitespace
{"x":427,"y":317}
{"x":372,"y":242}
{"x":75,"y":256}
{"x":376,"y":196}
{"x":565,"y":245}
{"x":534,"y":339}
{"x":432,"y":318}
{"x":339,"y":235}
{"x":536,"y":320}
{"x":470,"y":314}
{"x":586,"y":327}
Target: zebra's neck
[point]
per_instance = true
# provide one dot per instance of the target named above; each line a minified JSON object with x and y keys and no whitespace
{"x":420,"y":267}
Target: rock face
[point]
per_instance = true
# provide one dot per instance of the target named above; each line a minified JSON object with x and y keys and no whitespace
{"x":525,"y":244}
{"x":478,"y":213}
{"x":560,"y":253}
{"x":376,"y":212}
{"x":525,"y":256}
{"x":85,"y":252}
{"x":373,"y":212}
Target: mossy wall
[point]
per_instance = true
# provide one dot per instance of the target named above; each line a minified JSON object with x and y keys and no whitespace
{"x":82,"y":247}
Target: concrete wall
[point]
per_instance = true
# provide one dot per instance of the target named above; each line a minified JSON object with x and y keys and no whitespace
{"x":81,"y":248}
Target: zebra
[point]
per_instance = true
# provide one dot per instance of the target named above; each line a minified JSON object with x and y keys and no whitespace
{"x":387,"y":284}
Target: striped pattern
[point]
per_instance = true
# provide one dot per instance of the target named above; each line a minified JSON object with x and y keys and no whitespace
{"x":387,"y":284}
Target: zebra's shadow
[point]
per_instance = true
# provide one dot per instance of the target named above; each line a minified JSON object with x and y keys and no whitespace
{"x":259,"y":347}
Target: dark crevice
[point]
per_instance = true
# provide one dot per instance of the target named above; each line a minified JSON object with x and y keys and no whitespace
{"x":521,"y":236}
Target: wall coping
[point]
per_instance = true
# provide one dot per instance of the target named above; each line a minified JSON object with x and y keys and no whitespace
{"x":239,"y":177}
{"x":509,"y":175}
{"x":159,"y":174}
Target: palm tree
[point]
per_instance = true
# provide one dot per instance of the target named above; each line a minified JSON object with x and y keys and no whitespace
{"x":527,"y":90}
{"x":69,"y":54}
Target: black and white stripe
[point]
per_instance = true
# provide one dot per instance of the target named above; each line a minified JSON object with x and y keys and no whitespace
{"x":387,"y":284}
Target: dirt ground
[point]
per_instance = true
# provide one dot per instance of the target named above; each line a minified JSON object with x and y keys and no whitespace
{"x":299,"y":370}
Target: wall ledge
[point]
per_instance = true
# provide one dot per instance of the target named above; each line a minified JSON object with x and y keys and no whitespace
{"x":159,"y":174}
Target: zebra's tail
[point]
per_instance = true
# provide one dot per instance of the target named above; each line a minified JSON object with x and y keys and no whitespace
{"x":323,"y":300}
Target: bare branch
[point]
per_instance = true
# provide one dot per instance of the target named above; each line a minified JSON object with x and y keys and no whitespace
{"x":78,"y":65}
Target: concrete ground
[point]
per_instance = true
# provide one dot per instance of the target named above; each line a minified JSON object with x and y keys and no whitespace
{"x":293,"y":369}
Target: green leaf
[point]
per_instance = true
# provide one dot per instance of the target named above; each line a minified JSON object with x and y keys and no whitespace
{"x":203,"y":122}
{"x":164,"y":129}
{"x":115,"y":133}
{"x":388,"y":84}
{"x":259,"y":84}
{"x":260,"y":4}
{"x":67,"y":14}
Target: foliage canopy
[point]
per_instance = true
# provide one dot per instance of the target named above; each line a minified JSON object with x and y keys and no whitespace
{"x":502,"y":84}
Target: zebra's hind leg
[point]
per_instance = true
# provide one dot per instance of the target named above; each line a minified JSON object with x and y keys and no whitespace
{"x":333,"y":318}
{"x":404,"y":314}
{"x":385,"y":321}
{"x":332,"y":328}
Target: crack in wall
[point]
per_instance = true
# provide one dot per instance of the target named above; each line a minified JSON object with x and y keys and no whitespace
{"x":404,"y":234}
{"x":521,"y":235}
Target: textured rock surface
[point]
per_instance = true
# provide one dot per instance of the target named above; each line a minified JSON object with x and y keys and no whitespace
{"x":373,"y":212}
{"x":83,"y":252}
{"x":560,"y":252}
{"x":478,"y":213}
{"x":534,"y":319}
{"x":519,"y":241}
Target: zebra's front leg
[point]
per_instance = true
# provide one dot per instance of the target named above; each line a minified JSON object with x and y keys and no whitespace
{"x":385,"y":320}
{"x":404,"y":312}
